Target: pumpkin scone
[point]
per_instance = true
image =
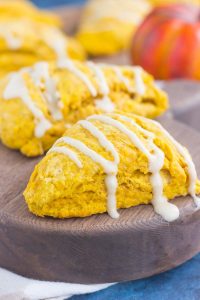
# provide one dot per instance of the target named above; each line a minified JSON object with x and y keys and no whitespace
{"x":108,"y":25}
{"x":17,"y":9}
{"x":112,"y":161}
{"x":38,"y":103}
{"x":24,"y":42}
{"x":28,"y":35}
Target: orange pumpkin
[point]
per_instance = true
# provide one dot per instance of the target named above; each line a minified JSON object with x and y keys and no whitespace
{"x":167,"y":43}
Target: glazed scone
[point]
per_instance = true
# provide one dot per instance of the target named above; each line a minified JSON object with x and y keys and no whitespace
{"x":38,"y":103}
{"x":108,"y":25}
{"x":112,"y":161}
{"x":17,"y":9}
{"x":24,"y":42}
{"x":28,"y":35}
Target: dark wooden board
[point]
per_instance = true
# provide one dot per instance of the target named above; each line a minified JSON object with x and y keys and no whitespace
{"x":95,"y":249}
{"x":184,"y":96}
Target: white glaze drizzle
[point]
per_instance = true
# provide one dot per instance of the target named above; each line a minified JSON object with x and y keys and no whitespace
{"x":105,"y":103}
{"x":69,"y":65}
{"x":109,"y":167}
{"x":40,"y":76}
{"x":111,"y":178}
{"x":120,"y":126}
{"x":57,"y":42}
{"x":41,"y":71}
{"x":139,"y":84}
{"x":104,"y":88}
{"x":103,"y":140}
{"x":191,"y":167}
{"x":121,"y":77}
{"x":156,"y":161}
{"x":68,"y":152}
{"x":14,"y":36}
{"x":139,"y":87}
{"x":16,"y":89}
{"x":10,"y":37}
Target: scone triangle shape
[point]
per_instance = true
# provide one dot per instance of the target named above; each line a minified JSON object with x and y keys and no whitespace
{"x":112,"y":161}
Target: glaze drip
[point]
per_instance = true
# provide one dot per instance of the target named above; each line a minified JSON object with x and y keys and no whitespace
{"x":122,"y":78}
{"x":42,"y":78}
{"x":139,"y":87}
{"x":191,"y":167}
{"x":111,"y":178}
{"x":16,"y":88}
{"x":109,"y":167}
{"x":139,"y":84}
{"x":167,"y":210}
{"x":105,"y":103}
{"x":57,"y":42}
{"x":40,"y":75}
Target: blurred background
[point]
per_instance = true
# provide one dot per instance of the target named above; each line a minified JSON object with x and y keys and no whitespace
{"x":53,"y":3}
{"x":163,"y":37}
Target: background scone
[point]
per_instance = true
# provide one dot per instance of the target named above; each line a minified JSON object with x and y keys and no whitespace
{"x":112,"y":161}
{"x":108,"y":25}
{"x":28,"y":35}
{"x":24,"y":42}
{"x":38,"y":103}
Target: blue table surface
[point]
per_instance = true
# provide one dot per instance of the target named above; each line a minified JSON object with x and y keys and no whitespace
{"x":181,"y":283}
{"x":53,"y":3}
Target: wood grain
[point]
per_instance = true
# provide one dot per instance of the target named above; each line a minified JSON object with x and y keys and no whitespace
{"x":96,"y":249}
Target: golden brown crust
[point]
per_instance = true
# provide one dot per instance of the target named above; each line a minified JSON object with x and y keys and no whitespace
{"x":17,"y":123}
{"x":59,"y":188}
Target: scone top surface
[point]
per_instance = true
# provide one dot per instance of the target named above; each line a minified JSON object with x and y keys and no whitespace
{"x":112,"y":161}
{"x":55,"y":96}
{"x":107,"y":26}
